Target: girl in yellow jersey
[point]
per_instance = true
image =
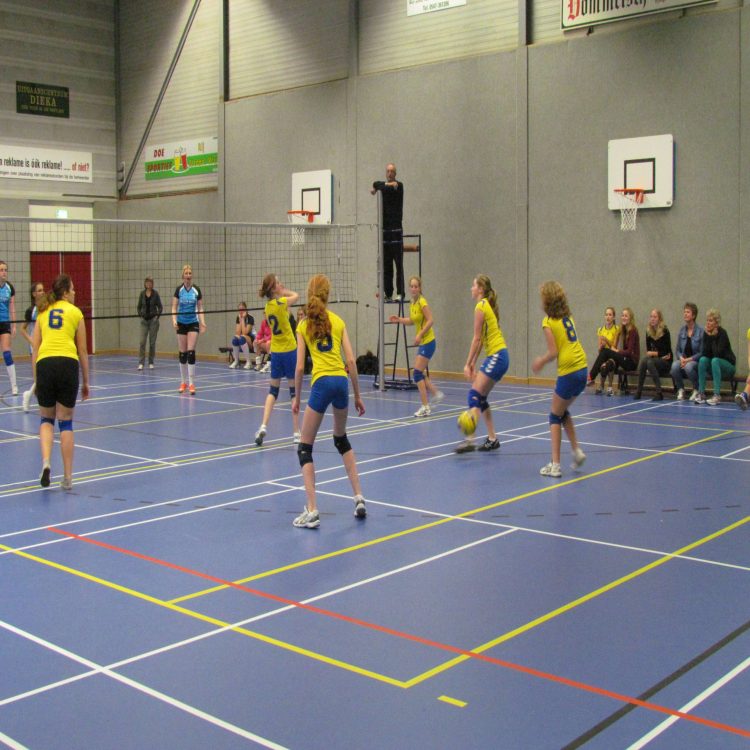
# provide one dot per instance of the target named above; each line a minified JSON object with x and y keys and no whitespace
{"x":487,"y":333}
{"x":564,"y":346}
{"x":420,"y":316}
{"x":607,"y":338}
{"x":59,"y":346}
{"x":323,"y":334}
{"x":283,"y":348}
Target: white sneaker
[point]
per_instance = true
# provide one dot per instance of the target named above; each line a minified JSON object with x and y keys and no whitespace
{"x":695,"y":395}
{"x":699,"y":399}
{"x":259,"y":435}
{"x":438,"y":397}
{"x":14,"y":390}
{"x":681,"y":394}
{"x":715,"y":399}
{"x":266,"y":367}
{"x":578,"y":458}
{"x":247,"y":365}
{"x":140,"y":366}
{"x":151,"y":366}
{"x":551,"y":470}
{"x":233,"y":364}
{"x":741,"y":400}
{"x":297,"y":437}
{"x":610,"y":392}
{"x":27,"y":400}
{"x":360,"y":511}
{"x":308,"y":519}
{"x":423,"y":411}
{"x":66,"y":483}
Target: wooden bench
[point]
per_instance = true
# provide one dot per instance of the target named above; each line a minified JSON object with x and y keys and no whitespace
{"x":737,"y":380}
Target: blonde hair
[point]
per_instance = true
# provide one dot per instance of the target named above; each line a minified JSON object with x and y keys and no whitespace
{"x":187,"y":267}
{"x":316,"y":310}
{"x":554,"y":300}
{"x":658,"y":332}
{"x":484,"y":283}
{"x":625,"y":330}
{"x":267,"y":286}
{"x":418,"y":280}
{"x":715,"y":314}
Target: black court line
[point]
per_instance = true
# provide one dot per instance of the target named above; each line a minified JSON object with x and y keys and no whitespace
{"x":659,"y":686}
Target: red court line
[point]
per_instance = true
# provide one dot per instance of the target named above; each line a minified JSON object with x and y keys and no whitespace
{"x":415,"y":638}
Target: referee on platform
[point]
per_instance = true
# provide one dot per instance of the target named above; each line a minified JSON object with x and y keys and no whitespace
{"x":393,"y":231}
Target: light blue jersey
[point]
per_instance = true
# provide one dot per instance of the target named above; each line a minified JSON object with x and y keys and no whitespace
{"x":187,"y":304}
{"x":7,"y":292}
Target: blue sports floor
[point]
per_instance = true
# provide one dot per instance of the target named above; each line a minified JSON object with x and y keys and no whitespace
{"x":167,"y":601}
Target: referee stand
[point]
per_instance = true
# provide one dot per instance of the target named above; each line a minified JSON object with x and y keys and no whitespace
{"x":393,"y":345}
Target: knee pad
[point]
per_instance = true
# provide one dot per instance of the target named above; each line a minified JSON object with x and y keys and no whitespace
{"x":238,"y":341}
{"x":183,"y":358}
{"x":484,"y":404}
{"x":342,"y":443}
{"x":292,"y":391}
{"x":474,"y":399}
{"x":554,"y":419}
{"x":418,"y":375}
{"x":65,"y":424}
{"x":274,"y":391}
{"x":565,"y":416}
{"x":8,"y":357}
{"x":191,"y":356}
{"x":304,"y":453}
{"x":46,"y":420}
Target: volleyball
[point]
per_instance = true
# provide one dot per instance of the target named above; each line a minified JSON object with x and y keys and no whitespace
{"x":467,"y":422}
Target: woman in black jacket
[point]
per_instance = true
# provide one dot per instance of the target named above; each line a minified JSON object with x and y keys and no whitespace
{"x":717,"y":358}
{"x":658,"y":359}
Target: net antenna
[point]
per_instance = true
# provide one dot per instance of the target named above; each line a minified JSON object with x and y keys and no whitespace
{"x":298,"y":219}
{"x":630,"y":199}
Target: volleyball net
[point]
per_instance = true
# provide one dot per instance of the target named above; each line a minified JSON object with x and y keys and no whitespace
{"x":108,"y":260}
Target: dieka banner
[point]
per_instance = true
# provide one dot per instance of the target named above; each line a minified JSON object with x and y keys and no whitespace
{"x":182,"y":158}
{"x":577,"y":13}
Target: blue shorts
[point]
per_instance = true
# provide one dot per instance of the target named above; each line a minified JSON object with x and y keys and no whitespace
{"x":496,"y":365}
{"x":571,"y":385}
{"x":427,"y":350}
{"x":283,"y":364}
{"x":329,"y":389}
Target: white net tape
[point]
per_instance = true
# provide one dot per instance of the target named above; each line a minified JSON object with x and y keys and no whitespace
{"x":629,"y":203}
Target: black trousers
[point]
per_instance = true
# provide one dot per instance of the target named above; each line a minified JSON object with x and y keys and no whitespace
{"x":619,"y":359}
{"x":393,"y":254}
{"x":655,"y":367}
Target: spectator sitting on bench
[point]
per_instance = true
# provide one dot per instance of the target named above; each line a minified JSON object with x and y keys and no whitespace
{"x":658,"y":354}
{"x":717,"y":358}
{"x":687,"y":352}
{"x":262,"y":344}
{"x":743,"y":399}
{"x":625,"y":354}
{"x":243,"y":336}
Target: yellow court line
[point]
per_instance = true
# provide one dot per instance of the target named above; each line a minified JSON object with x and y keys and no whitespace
{"x":210,"y":620}
{"x":465,"y":514}
{"x":452,"y":701}
{"x":575,"y":603}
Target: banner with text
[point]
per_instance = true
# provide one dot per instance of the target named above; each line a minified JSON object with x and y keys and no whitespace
{"x":182,"y":158}
{"x":415,"y":7}
{"x":577,"y":13}
{"x":30,"y":163}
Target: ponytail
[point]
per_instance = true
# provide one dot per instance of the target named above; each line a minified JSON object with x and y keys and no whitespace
{"x":316,"y":310}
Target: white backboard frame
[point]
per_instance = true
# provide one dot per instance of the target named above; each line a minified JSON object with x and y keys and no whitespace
{"x":313,"y":191}
{"x":646,"y":163}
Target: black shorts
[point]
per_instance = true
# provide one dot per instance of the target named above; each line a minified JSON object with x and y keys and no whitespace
{"x":57,"y":382}
{"x":184,"y":328}
{"x":4,"y":328}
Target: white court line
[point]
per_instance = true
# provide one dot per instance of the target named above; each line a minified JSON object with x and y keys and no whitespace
{"x":250,"y":620}
{"x":140,"y":687}
{"x":707,"y":693}
{"x":734,"y":453}
{"x":11,"y":743}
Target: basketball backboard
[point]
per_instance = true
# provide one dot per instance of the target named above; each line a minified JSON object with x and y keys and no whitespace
{"x":646,"y":163}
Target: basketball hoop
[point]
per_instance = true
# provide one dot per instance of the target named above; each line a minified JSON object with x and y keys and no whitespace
{"x":629,"y":199}
{"x":298,"y":219}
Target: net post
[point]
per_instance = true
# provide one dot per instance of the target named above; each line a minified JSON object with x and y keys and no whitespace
{"x":381,"y":299}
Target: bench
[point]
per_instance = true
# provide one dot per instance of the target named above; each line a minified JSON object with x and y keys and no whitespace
{"x":737,"y":380}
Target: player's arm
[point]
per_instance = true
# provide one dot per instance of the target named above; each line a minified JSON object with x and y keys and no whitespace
{"x":36,"y":340}
{"x":291,"y":297}
{"x":174,"y":311}
{"x":351,"y":366}
{"x":299,"y":372}
{"x":83,"y":357}
{"x":404,"y":321}
{"x":476,"y":344}
{"x":12,"y":309}
{"x":549,"y":356}
{"x":25,"y":329}
{"x":201,"y":315}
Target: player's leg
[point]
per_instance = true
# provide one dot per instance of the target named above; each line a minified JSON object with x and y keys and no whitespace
{"x":274,"y":385}
{"x":192,"y":341}
{"x":64,"y":416}
{"x":311,"y":422}
{"x":420,"y":365}
{"x":10,"y":366}
{"x":182,"y":346}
